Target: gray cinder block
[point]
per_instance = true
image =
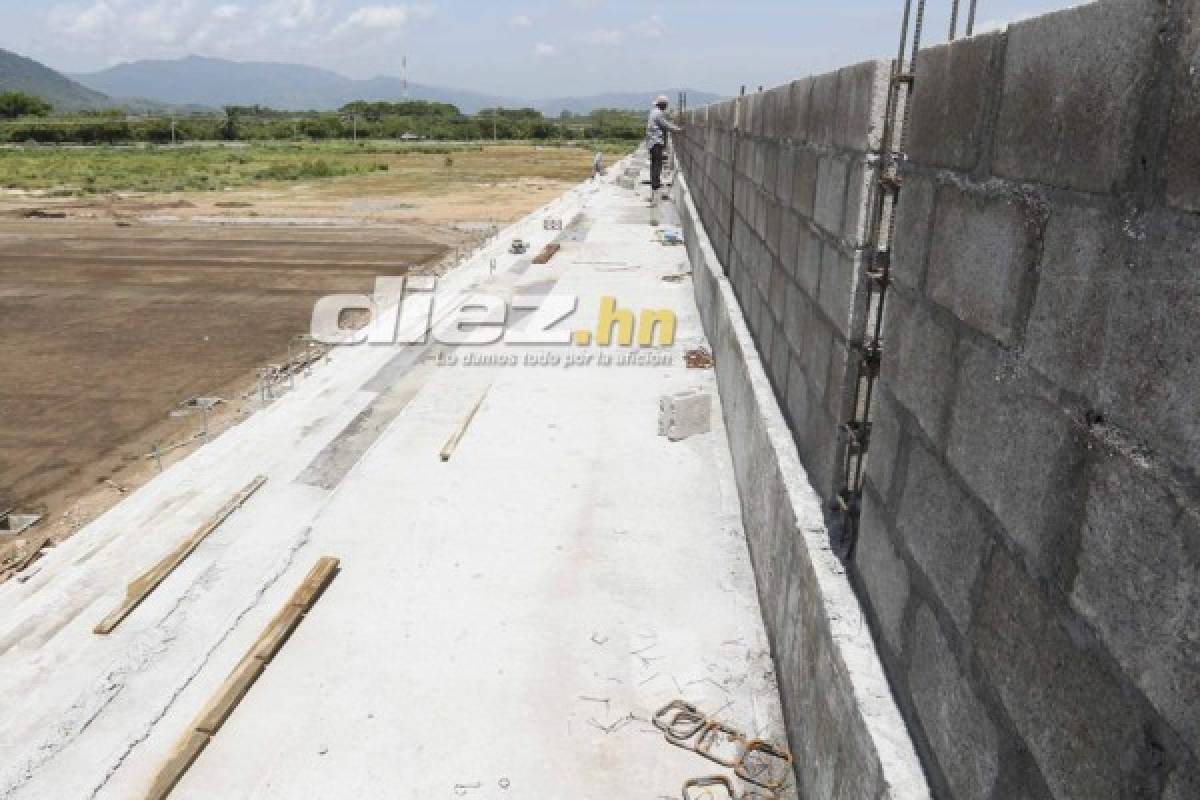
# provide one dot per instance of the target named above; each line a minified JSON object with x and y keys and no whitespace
{"x":1136,"y":584}
{"x":983,"y":255}
{"x":1079,"y":726}
{"x":883,"y":572}
{"x":804,"y":182}
{"x":938,"y":523}
{"x":952,"y":97}
{"x":914,"y":220}
{"x":1073,"y":82}
{"x":957,"y":723}
{"x":1018,"y":453}
{"x":830,"y":201}
{"x":684,"y":414}
{"x":861,"y":99}
{"x":921,"y":362}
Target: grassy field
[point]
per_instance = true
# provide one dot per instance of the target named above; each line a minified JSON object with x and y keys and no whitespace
{"x":419,"y":166}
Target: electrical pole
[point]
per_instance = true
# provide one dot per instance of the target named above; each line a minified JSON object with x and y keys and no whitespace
{"x":172,"y":129}
{"x":495,"y":111}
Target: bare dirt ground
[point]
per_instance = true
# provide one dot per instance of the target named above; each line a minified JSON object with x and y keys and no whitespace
{"x":127,"y":305}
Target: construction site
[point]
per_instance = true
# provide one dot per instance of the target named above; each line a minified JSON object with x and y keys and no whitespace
{"x":858,"y":462}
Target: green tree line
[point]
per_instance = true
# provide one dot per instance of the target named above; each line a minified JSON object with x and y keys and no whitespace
{"x":27,"y":119}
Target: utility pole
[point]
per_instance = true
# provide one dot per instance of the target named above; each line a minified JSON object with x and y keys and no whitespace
{"x":354,"y":125}
{"x":495,"y":111}
{"x":172,"y":129}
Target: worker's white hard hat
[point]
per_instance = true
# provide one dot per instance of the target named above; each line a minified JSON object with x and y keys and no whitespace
{"x":662,"y":98}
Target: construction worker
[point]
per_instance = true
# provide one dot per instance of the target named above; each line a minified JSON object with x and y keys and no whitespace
{"x":598,"y":165}
{"x":658,"y":128}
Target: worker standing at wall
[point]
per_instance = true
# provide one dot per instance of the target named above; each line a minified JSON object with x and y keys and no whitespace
{"x":658,"y":129}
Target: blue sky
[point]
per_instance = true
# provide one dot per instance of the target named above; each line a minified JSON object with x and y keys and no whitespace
{"x":533,"y":48}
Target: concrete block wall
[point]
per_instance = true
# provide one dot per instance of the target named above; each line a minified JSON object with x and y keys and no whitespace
{"x":780,"y":179}
{"x":1029,"y":547}
{"x":1029,"y":550}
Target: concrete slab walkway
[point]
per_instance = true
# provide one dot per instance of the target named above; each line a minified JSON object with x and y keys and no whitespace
{"x":504,"y":623}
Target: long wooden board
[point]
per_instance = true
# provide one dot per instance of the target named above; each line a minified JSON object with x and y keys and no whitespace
{"x":456,"y":437}
{"x":548,"y":252}
{"x":141,"y":587}
{"x":241,"y":679}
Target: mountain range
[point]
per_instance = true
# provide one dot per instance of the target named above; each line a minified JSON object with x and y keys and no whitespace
{"x":197,"y":83}
{"x":20,"y":74}
{"x":215,"y":82}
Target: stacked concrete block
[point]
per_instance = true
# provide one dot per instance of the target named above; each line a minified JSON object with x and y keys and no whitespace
{"x":781,"y":180}
{"x":1029,"y":548}
{"x":845,"y":731}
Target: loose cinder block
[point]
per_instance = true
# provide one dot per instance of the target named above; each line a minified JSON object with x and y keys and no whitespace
{"x":1019,"y":454}
{"x":956,"y":85}
{"x":883,"y":572}
{"x":1070,"y":108}
{"x":921,"y":362}
{"x":685,"y":414}
{"x":1076,"y":721}
{"x":1136,"y":584}
{"x":862,"y":97}
{"x":983,"y":256}
{"x":938,"y":523}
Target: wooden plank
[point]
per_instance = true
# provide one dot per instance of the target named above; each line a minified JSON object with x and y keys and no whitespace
{"x":184,"y":755}
{"x":548,"y":252}
{"x":229,"y":695}
{"x":141,"y":587}
{"x":239,"y":682}
{"x":456,"y":437}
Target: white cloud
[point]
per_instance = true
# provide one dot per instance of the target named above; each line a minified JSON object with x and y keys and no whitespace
{"x":608,"y":36}
{"x":543,"y":49}
{"x":83,"y":21}
{"x":653,"y":27}
{"x":388,"y":21}
{"x":521,"y":21}
{"x":227,"y":12}
{"x":292,"y":14}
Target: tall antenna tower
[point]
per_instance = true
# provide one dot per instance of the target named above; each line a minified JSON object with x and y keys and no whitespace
{"x":404,"y":78}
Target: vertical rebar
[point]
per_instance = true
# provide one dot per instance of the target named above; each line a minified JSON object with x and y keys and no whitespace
{"x":953,"y":19}
{"x":971,"y":19}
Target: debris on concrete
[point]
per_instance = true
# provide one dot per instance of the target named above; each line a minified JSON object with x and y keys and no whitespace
{"x":698,"y":358}
{"x":754,"y":761}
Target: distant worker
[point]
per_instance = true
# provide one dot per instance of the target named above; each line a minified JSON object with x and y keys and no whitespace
{"x":597,"y":166}
{"x":658,"y":128}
